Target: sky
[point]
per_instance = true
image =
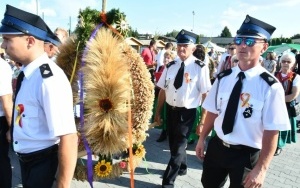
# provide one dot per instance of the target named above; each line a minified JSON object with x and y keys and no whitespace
{"x":162,"y":16}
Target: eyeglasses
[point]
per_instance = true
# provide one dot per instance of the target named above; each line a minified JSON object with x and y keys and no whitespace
{"x":248,"y":41}
{"x":231,"y":48}
{"x":284,"y":61}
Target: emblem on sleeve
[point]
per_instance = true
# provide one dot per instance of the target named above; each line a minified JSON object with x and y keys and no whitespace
{"x":200,"y":63}
{"x":268,"y":78}
{"x":46,"y":71}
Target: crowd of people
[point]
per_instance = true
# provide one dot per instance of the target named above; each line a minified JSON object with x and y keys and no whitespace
{"x":257,"y":126}
{"x":44,"y":140}
{"x":198,"y":92}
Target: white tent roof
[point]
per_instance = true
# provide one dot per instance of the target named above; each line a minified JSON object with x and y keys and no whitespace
{"x":217,"y":48}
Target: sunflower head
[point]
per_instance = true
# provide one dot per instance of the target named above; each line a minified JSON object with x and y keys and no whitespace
{"x":103,"y":168}
{"x":139,"y":150}
{"x":105,"y":105}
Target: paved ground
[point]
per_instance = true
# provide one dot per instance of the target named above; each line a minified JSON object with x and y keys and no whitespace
{"x":284,"y":171}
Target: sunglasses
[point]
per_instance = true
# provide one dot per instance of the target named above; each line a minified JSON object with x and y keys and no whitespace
{"x":248,"y":41}
{"x":231,"y":48}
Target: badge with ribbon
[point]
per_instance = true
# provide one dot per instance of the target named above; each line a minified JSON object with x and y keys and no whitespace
{"x":20,"y":110}
{"x":245,"y":97}
{"x":187,"y":78}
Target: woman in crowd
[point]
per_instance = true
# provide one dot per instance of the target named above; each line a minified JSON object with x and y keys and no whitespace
{"x":270,"y":62}
{"x":291,"y":84}
{"x":234,"y":61}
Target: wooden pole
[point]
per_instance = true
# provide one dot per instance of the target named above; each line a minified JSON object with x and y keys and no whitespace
{"x":130,"y":146}
{"x":103,"y":5}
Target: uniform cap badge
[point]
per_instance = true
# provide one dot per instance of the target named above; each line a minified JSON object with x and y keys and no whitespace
{"x":247,"y":20}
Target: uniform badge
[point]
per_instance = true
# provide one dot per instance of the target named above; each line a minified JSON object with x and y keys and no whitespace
{"x":248,"y":112}
{"x":182,"y":32}
{"x":20,"y":110}
{"x":46,"y":71}
{"x":270,"y":79}
{"x":245,"y":97}
{"x":187,"y":78}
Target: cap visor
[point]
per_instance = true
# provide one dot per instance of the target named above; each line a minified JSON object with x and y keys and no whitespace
{"x":250,"y":36}
{"x":9,"y":31}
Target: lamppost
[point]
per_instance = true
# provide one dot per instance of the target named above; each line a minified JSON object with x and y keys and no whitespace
{"x":193,"y":19}
{"x":37,"y":7}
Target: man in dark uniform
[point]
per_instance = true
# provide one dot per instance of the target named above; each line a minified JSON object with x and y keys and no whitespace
{"x":44,"y":134}
{"x":246,"y":108}
{"x":184,"y":84}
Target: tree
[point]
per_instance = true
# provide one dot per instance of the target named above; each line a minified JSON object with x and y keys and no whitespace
{"x":296,"y":36}
{"x":282,"y":40}
{"x":289,"y":41}
{"x":225,"y":32}
{"x":199,"y":37}
{"x":172,"y":34}
{"x":132,"y":33}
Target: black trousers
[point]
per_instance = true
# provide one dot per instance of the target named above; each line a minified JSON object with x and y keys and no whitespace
{"x":221,"y":162}
{"x":151,"y":71}
{"x":180,"y":122}
{"x":40,"y":171}
{"x":5,"y":166}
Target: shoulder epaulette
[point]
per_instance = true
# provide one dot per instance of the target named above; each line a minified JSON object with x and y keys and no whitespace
{"x":45,"y":71}
{"x":170,"y":64}
{"x":200,"y":63}
{"x":224,"y":73}
{"x":268,"y":78}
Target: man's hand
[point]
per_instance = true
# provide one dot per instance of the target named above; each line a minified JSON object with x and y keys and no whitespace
{"x":157,"y":119}
{"x":200,"y":149}
{"x":255,"y":178}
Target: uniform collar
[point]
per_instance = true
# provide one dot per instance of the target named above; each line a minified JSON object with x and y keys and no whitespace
{"x":31,"y":67}
{"x":248,"y":73}
{"x":189,"y":60}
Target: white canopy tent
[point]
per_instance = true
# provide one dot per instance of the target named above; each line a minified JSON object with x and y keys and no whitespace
{"x":210,"y":45}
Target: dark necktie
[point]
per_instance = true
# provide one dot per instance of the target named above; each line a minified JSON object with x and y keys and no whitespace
{"x":19,"y":82}
{"x":232,"y":105}
{"x":18,"y":86}
{"x":179,"y":77}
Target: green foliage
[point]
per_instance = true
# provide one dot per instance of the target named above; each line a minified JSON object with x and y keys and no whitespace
{"x":114,"y":15}
{"x":172,"y":34}
{"x":90,"y":18}
{"x":296,"y":36}
{"x":225,"y":32}
{"x":198,"y":40}
{"x":132,"y":33}
{"x":279,"y":41}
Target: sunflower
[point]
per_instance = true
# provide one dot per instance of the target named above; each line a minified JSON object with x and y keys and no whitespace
{"x":140,"y":151}
{"x":103,"y":168}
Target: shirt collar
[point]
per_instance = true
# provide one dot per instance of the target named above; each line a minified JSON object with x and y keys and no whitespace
{"x":31,"y":67}
{"x":248,"y":73}
{"x":189,"y":60}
